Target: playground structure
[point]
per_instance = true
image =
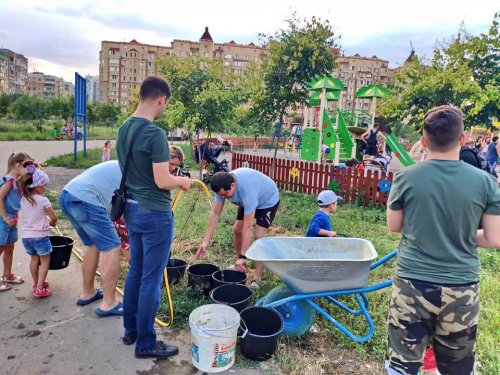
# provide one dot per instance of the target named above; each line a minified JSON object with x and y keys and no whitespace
{"x":340,"y":135}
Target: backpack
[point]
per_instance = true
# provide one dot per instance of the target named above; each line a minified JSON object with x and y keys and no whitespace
{"x":479,"y":162}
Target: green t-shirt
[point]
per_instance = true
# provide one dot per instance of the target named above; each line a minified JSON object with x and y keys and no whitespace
{"x":442,"y":203}
{"x":151,"y":147}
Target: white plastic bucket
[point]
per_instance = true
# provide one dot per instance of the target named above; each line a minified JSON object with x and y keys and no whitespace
{"x":214,"y":330}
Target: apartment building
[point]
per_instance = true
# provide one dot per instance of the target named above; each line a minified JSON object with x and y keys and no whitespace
{"x":124,"y":65}
{"x":13,"y":72}
{"x":48,"y":86}
{"x":357,"y":71}
{"x":93,"y":92}
{"x":35,"y":84}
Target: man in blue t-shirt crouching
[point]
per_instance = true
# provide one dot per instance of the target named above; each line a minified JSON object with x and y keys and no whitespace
{"x":257,"y":198}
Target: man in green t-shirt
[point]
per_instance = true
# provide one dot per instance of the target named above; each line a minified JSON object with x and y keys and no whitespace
{"x":437,"y":206}
{"x":148,"y":215}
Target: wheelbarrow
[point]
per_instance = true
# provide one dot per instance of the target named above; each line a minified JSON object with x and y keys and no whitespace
{"x":318,"y":268}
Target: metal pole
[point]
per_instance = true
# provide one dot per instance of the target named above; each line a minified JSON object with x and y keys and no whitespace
{"x":320,"y":122}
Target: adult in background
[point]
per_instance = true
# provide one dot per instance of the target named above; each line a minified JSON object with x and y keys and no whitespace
{"x":148,"y":215}
{"x":257,"y":198}
{"x":370,"y":138}
{"x":86,"y":200}
{"x":493,"y":152}
{"x":435,"y":294}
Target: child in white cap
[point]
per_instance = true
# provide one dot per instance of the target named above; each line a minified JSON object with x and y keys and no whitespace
{"x":320,"y":223}
{"x":38,"y":217}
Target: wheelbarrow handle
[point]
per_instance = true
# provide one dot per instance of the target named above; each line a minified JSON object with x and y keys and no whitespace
{"x":384,"y":259}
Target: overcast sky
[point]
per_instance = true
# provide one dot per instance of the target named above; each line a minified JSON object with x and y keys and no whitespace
{"x":60,"y":37}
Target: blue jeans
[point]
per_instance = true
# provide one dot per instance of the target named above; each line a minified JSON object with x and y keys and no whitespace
{"x":150,"y":234}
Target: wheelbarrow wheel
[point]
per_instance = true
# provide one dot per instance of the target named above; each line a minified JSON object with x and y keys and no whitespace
{"x":298,"y":316}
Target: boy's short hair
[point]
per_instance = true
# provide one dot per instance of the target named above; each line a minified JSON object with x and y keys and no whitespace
{"x":154,"y":87}
{"x":494,"y":139}
{"x":221,"y":180}
{"x":443,"y":127}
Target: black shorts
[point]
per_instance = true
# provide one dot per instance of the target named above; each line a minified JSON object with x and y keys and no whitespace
{"x":264,"y":216}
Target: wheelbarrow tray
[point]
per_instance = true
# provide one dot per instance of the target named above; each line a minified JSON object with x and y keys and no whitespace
{"x":313,"y":265}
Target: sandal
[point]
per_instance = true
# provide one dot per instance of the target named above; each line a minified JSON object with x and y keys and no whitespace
{"x":45,"y":285}
{"x":12,"y":279}
{"x":4,"y":287}
{"x":42,"y":293}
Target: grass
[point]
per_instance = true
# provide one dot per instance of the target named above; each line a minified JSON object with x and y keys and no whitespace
{"x":27,"y":131}
{"x":82,"y":162}
{"x":312,"y":353}
{"x":292,"y":219}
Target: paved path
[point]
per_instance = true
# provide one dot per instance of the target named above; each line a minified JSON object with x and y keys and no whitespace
{"x":54,"y":335}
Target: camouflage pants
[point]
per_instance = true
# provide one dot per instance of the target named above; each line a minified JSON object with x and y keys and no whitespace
{"x":422,"y":314}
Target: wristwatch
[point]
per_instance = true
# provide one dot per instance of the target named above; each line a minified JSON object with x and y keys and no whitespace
{"x":241,"y":256}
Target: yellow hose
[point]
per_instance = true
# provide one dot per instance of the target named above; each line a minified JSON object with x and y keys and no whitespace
{"x":165,"y":275}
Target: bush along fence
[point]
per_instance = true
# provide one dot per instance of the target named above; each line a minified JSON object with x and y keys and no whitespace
{"x":353,"y":185}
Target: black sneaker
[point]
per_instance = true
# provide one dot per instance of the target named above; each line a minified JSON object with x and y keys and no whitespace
{"x":161,"y":350}
{"x":129,"y":340}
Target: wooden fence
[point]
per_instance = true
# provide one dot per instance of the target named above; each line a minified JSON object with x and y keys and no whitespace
{"x":311,"y":178}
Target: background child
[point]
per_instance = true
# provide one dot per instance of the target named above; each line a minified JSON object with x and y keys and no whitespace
{"x":36,"y":226}
{"x":320,"y":223}
{"x":10,"y":204}
{"x":106,"y":151}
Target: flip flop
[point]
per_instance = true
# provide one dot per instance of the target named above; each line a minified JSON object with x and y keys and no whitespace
{"x":12,"y":279}
{"x":117,"y":310}
{"x":84,"y":302}
{"x":5,"y":287}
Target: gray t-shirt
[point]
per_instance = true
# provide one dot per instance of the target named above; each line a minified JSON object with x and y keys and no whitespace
{"x":253,"y":190}
{"x":97,"y":184}
{"x":442,"y":203}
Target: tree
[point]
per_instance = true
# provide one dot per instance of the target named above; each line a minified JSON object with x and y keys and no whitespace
{"x":60,"y":107}
{"x":297,"y":54}
{"x":108,"y":114}
{"x":465,"y":72}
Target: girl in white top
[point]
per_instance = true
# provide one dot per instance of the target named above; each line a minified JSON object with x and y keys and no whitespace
{"x":38,"y":217}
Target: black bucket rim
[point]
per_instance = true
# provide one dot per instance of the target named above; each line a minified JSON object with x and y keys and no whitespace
{"x":201,"y":264}
{"x":267,"y":308}
{"x":178,"y":266}
{"x":71,"y":241}
{"x":231,"y":286}
{"x":230,"y":282}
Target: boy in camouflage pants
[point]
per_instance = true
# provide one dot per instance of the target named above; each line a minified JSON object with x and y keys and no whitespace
{"x":437,"y":206}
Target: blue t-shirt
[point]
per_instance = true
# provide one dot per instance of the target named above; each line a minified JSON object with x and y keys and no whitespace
{"x":320,"y":220}
{"x":97,"y":184}
{"x":254,"y":190}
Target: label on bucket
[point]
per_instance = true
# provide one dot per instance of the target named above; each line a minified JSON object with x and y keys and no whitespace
{"x":195,"y":352}
{"x":224,"y":354}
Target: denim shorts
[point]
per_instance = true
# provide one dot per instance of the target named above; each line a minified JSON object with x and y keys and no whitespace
{"x":7,"y":234}
{"x":37,"y":246}
{"x":91,"y":222}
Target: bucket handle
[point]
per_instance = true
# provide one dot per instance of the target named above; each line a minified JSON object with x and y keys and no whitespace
{"x":245,"y":332}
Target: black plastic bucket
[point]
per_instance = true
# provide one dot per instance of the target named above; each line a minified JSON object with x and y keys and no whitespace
{"x":235,"y":295}
{"x":200,"y":275}
{"x":61,"y":252}
{"x":175,"y":270}
{"x":264,"y":327}
{"x":225,"y":277}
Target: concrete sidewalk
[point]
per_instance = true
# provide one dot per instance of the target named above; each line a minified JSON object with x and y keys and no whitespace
{"x":55,"y":336}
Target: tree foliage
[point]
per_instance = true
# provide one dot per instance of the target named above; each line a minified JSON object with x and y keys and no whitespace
{"x":297,"y":53}
{"x":464,"y":72}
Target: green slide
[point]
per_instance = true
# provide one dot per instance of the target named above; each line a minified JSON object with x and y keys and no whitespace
{"x":398,"y":150}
